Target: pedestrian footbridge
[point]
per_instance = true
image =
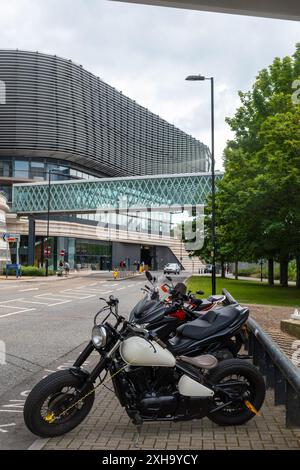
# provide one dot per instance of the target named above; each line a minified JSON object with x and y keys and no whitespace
{"x":90,"y":196}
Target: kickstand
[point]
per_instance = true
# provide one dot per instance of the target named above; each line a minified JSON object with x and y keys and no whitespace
{"x":137,"y":436}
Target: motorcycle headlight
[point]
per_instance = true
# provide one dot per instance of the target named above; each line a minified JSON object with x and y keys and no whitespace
{"x":99,"y":336}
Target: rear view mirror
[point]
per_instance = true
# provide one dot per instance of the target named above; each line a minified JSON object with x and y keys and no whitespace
{"x":149,"y":276}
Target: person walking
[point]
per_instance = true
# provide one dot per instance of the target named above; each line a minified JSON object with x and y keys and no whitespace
{"x":67,"y":268}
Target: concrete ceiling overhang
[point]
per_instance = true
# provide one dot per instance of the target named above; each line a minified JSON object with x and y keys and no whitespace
{"x":280,"y":9}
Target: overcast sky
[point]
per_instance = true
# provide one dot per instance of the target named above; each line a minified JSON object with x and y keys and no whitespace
{"x":147,"y":52}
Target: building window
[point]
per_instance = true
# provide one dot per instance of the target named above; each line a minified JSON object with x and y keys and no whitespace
{"x":37,"y":171}
{"x":21,"y":169}
{"x":5,"y":168}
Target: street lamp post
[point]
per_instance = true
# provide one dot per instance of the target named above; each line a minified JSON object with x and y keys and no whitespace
{"x":48,"y":222}
{"x":213,"y":180}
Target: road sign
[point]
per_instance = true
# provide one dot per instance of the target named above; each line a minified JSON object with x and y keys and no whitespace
{"x":11,"y":237}
{"x":47,"y":252}
{"x":62,"y":253}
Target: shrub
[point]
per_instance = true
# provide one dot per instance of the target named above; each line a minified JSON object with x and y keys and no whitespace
{"x":30,"y":271}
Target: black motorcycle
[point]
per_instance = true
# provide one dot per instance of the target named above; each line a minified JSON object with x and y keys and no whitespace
{"x":221,"y":332}
{"x":149,"y":381}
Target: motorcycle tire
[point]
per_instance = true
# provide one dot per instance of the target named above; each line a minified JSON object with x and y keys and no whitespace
{"x":51,"y":387}
{"x":231,"y":416}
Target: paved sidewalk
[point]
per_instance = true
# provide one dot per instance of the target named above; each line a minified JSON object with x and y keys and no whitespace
{"x":105,"y":275}
{"x":109,"y":428}
{"x":73,"y":275}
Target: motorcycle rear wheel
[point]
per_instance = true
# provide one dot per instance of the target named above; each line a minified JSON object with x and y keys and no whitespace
{"x":49,"y":398}
{"x":247,"y":384}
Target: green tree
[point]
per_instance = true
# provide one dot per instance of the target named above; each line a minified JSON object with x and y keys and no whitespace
{"x":258,"y":199}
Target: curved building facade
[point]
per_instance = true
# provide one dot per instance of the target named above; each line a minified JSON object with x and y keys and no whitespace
{"x":58,"y":119}
{"x":55,"y":109}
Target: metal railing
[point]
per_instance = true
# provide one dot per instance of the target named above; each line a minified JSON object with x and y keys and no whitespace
{"x":281,"y":374}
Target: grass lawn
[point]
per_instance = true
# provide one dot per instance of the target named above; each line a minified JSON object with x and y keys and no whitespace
{"x":248,"y":291}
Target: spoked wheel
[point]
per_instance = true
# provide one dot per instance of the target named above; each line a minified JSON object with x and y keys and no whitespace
{"x":48,"y":410}
{"x":240,"y":392}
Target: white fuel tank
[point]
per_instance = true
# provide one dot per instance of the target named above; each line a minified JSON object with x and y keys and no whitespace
{"x":139,"y":352}
{"x":190,"y":388}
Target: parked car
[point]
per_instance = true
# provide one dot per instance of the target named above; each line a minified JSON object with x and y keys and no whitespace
{"x":172,"y":268}
{"x":208,"y":269}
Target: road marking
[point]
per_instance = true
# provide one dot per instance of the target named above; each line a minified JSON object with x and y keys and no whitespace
{"x":121,"y":288}
{"x":34,"y":302}
{"x":16,"y":313}
{"x":60,"y":300}
{"x":6,"y":426}
{"x":27,"y":290}
{"x":14,"y":405}
{"x":9,"y":301}
{"x":11,"y":411}
{"x":75,"y":295}
{"x":8,"y":306}
{"x":131,"y":285}
{"x":89,"y":289}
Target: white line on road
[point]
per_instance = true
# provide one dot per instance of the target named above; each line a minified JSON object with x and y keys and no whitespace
{"x":121,"y":288}
{"x":13,"y":300}
{"x":60,"y":300}
{"x":75,"y":296}
{"x":11,"y":411}
{"x":8,"y":306}
{"x":16,"y":313}
{"x":6,"y":426}
{"x":89,"y":290}
{"x":34,"y":302}
{"x":14,"y":405}
{"x":27,"y":290}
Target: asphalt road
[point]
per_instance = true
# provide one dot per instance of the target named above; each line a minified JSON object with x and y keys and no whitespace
{"x":44,"y":326}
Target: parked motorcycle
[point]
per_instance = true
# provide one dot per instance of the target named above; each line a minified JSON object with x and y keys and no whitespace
{"x":149,"y":381}
{"x":185,"y":330}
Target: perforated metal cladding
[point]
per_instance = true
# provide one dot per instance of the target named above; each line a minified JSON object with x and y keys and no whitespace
{"x":55,"y":108}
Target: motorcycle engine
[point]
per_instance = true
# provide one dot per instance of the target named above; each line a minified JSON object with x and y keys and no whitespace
{"x":155,"y":391}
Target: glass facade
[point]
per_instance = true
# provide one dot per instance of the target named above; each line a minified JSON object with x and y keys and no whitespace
{"x":36,"y":170}
{"x":81,"y":254}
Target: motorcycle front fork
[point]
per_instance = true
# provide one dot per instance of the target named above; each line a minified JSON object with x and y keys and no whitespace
{"x":86,"y":377}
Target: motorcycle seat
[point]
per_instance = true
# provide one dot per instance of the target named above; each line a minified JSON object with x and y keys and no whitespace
{"x":205,"y":303}
{"x":210,"y":323}
{"x":198,"y":301}
{"x":206,"y":361}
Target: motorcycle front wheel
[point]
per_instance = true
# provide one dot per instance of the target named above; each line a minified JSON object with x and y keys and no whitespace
{"x":46,"y":410}
{"x":240,"y":392}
